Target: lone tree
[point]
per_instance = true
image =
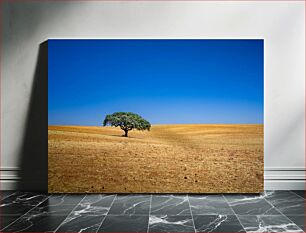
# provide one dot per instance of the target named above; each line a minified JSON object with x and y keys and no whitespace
{"x":127,"y":121}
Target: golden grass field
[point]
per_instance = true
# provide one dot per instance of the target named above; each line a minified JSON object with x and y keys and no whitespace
{"x":169,"y":159}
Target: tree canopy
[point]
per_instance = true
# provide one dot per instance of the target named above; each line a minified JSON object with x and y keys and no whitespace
{"x":127,"y":121}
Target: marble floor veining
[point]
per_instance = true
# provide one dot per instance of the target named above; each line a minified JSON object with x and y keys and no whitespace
{"x":271,"y":211}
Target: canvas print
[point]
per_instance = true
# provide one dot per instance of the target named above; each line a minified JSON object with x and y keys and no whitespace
{"x":155,"y":116}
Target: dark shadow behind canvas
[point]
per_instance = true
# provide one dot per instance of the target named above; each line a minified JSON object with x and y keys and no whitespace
{"x":34,"y":154}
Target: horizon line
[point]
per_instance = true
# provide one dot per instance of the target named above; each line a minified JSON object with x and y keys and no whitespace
{"x":171,"y":124}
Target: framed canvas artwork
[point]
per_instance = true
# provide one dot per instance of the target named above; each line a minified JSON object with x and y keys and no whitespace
{"x":155,"y":116}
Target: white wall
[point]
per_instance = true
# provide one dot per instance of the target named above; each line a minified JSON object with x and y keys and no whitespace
{"x":280,"y":24}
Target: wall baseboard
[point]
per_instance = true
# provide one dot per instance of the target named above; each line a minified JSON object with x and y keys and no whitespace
{"x":276,"y":178}
{"x":284,"y":178}
{"x":284,"y":185}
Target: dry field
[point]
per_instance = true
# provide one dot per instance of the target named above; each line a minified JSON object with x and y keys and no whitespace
{"x":168,"y":159}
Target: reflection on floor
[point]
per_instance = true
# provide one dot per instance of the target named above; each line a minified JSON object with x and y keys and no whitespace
{"x":272,"y":211}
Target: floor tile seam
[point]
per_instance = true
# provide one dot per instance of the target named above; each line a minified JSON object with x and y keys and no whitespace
{"x":25,"y":213}
{"x":149,"y":213}
{"x":69,"y":214}
{"x":107,"y":213}
{"x":297,"y":194}
{"x":7,"y":196}
{"x":191,"y":214}
{"x":234,"y":213}
{"x":281,"y":214}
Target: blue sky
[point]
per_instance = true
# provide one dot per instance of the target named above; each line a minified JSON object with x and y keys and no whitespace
{"x":165,"y":81}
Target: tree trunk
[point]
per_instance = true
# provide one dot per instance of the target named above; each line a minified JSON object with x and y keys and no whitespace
{"x":125,"y":133}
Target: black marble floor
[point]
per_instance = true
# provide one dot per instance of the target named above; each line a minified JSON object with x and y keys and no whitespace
{"x":272,"y":211}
